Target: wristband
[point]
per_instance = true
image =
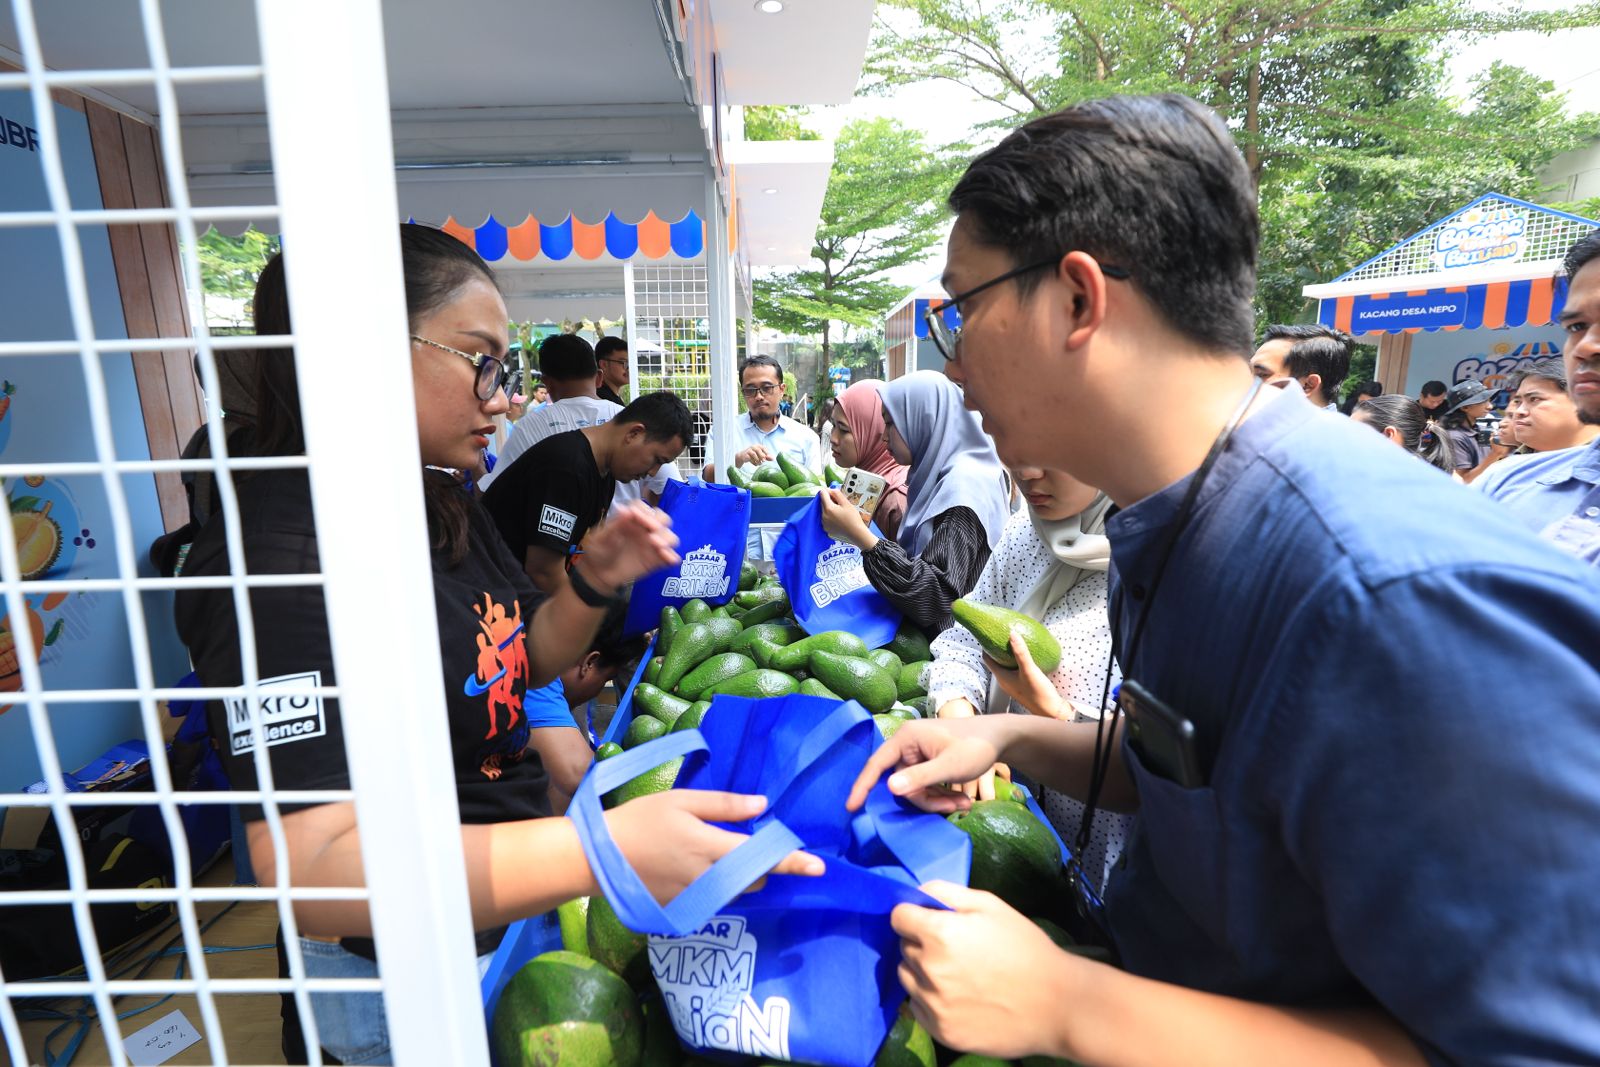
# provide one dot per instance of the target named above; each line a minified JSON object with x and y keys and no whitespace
{"x":588,"y":593}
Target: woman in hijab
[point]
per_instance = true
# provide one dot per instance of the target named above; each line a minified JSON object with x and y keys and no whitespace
{"x":1050,"y":565}
{"x":956,"y":502}
{"x":860,"y":439}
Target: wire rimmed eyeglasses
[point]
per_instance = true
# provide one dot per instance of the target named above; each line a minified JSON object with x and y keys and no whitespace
{"x":494,"y":374}
{"x":947,"y":338}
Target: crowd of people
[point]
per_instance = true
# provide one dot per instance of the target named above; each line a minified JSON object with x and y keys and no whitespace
{"x":1364,"y":854}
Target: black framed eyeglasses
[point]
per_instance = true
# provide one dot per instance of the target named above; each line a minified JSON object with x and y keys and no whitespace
{"x":764,"y":389}
{"x":494,"y":374}
{"x":947,"y":338}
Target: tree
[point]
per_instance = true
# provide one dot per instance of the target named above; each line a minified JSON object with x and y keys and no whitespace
{"x":883,"y":210}
{"x":1287,"y":75}
{"x":777,"y":122}
{"x":229,"y":267}
{"x":1337,"y":105}
{"x":1327,"y":215}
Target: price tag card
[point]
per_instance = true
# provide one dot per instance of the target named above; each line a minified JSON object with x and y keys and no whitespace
{"x":161,"y":1040}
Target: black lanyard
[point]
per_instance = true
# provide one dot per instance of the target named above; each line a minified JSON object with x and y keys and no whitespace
{"x":1104,"y":736}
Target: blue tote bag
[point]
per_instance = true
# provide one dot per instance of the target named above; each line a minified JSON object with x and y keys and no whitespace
{"x":827,"y":584}
{"x":804,"y":969}
{"x":711,"y":522}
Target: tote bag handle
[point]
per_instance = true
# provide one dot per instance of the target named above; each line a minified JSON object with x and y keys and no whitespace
{"x":622,"y":887}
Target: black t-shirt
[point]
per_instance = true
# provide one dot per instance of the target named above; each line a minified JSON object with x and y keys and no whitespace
{"x":483,"y":605}
{"x":550,"y":495}
{"x":605,"y":392}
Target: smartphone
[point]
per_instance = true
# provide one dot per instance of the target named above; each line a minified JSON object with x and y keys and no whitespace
{"x":1164,"y":739}
{"x":865,"y":490}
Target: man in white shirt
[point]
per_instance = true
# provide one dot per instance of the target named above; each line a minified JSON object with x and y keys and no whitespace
{"x":568,"y":368}
{"x":763,"y":431}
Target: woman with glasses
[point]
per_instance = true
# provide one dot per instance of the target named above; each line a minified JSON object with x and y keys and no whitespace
{"x":957,"y":502}
{"x":498,"y":637}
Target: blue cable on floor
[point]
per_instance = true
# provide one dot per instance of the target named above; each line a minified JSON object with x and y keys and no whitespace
{"x":84,"y":1017}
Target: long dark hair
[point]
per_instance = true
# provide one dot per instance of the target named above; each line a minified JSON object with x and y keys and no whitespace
{"x":1419,"y":433}
{"x":436,"y":267}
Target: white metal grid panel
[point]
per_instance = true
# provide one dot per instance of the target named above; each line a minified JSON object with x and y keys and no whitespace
{"x":328,"y":109}
{"x":1544,"y":236}
{"x":668,"y":341}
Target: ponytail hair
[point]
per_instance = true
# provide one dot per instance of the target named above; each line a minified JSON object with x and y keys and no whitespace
{"x":1420,"y":434}
{"x":436,"y":267}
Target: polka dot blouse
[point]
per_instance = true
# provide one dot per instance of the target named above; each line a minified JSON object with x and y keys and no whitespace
{"x":1079,"y":622}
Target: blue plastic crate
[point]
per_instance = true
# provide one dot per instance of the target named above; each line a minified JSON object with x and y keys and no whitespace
{"x":624,"y":713}
{"x":776,"y":509}
{"x":523,"y":940}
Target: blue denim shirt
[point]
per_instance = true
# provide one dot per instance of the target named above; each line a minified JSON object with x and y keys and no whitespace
{"x":1396,"y":687}
{"x":1544,"y":487}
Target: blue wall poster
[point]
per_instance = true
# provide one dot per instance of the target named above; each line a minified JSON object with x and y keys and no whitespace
{"x":63,"y":524}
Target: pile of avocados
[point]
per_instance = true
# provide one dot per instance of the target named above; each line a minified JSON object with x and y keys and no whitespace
{"x":593,"y":1002}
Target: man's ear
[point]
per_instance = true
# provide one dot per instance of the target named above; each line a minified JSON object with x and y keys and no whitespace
{"x":635,"y":434}
{"x":1084,"y":286}
{"x":1311,"y":383}
{"x":588,"y":664}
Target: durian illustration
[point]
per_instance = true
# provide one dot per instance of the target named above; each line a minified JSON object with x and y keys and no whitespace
{"x":38,"y":536}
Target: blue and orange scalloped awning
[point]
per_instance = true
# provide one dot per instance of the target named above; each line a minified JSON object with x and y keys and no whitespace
{"x":1487,"y":306}
{"x":530,"y":239}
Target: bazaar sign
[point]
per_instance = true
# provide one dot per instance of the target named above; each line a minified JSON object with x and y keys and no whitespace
{"x":1479,"y":235}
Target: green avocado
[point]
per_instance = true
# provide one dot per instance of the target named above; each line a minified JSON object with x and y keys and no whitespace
{"x":795,"y":656}
{"x":565,"y":1008}
{"x":993,"y":626}
{"x":854,"y":679}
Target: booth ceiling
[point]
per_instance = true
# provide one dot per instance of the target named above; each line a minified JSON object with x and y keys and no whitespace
{"x":545,"y":116}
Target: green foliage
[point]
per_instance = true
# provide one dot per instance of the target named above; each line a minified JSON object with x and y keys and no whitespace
{"x":229,"y":266}
{"x":777,"y":122}
{"x":1338,"y":208}
{"x":883,"y":210}
{"x":1339,"y":106}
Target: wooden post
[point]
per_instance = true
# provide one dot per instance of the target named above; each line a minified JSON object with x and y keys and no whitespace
{"x":149,"y":279}
{"x":1394,"y":361}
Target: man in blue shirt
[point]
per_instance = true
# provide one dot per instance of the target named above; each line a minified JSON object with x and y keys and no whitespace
{"x":761,"y":434}
{"x":1389,"y":865}
{"x":763,"y":431}
{"x":1544,"y":486}
{"x":1564,"y":494}
{"x":554,"y":731}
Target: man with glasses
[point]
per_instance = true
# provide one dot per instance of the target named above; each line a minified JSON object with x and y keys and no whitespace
{"x":1329,"y":866}
{"x":763,"y":431}
{"x":612,"y":355}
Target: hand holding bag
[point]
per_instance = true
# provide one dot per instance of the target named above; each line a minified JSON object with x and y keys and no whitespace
{"x":827,"y":584}
{"x":805,"y":968}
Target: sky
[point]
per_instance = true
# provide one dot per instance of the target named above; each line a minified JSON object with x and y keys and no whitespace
{"x":946,"y":111}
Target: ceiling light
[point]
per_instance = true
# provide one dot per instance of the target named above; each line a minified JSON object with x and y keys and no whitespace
{"x":772,"y":248}
{"x":769,"y":192}
{"x":769,"y":7}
